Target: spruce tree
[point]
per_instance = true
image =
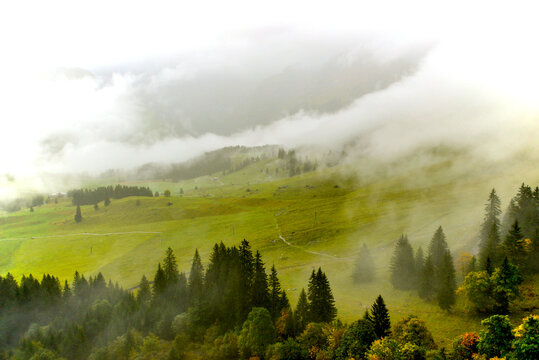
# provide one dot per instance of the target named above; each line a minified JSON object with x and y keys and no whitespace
{"x":245,"y":279}
{"x":514,"y":246}
{"x":472,"y":265}
{"x":364,"y":269}
{"x":419,"y":265}
{"x":438,"y":247}
{"x":170,"y":268}
{"x":275,"y":294}
{"x":159,"y":281}
{"x":447,"y":285}
{"x":144,"y":293}
{"x":492,"y":217}
{"x":426,"y":281}
{"x":402,"y":268}
{"x":196,"y":280}
{"x":78,"y":214}
{"x":490,"y":247}
{"x":302,"y":312}
{"x":321,"y":302}
{"x":260,"y":290}
{"x":380,"y":318}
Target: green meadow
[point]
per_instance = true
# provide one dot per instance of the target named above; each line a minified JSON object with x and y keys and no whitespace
{"x":323,"y":217}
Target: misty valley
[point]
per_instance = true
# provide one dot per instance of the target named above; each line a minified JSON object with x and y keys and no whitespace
{"x":284,"y":180}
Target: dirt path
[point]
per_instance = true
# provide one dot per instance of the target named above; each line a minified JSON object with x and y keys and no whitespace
{"x":83,"y":234}
{"x":334,"y":257}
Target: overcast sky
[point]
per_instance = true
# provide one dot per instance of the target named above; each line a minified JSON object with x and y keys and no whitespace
{"x":88,"y":86}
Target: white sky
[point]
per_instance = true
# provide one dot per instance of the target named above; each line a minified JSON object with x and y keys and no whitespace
{"x":484,"y":48}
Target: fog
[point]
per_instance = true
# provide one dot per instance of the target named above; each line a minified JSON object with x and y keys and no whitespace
{"x":102,"y":91}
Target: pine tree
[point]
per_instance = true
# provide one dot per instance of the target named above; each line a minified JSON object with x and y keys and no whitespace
{"x":159,"y":281}
{"x":245,"y":279}
{"x":78,"y":215}
{"x":275,"y":294}
{"x":402,"y":269}
{"x":514,"y":246}
{"x":488,"y":266}
{"x":364,"y":269}
{"x":321,"y":302}
{"x":196,"y":280}
{"x":260,"y":291}
{"x":472,"y":265}
{"x":144,"y":293}
{"x":447,"y":285}
{"x":285,"y":303}
{"x":490,"y":247}
{"x":170,"y":268}
{"x":419,"y":265}
{"x":302,"y":312}
{"x":380,"y":318}
{"x":426,"y":282}
{"x":507,"y":280}
{"x":438,"y":247}
{"x":66,"y":293}
{"x":492,"y":217}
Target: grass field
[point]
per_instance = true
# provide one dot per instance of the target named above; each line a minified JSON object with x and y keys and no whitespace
{"x":324,"y":216}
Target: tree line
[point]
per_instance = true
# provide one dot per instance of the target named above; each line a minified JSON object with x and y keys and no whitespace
{"x":490,"y":280}
{"x":105,"y":193}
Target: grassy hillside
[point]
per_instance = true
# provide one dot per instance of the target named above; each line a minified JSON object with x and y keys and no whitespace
{"x":323,"y":217}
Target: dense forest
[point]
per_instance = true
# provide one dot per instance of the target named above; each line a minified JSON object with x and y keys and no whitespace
{"x":234,"y":307}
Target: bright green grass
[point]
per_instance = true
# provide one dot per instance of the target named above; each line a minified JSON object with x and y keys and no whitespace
{"x":330,"y":212}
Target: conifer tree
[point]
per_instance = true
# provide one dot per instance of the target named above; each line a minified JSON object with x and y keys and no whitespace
{"x":260,"y":291}
{"x":426,"y":282}
{"x":364,"y":268}
{"x":513,"y":245}
{"x":196,"y":280}
{"x":402,"y":268}
{"x":144,"y":293}
{"x":490,"y":247}
{"x":438,"y":247}
{"x":321,"y":302}
{"x":245,"y":279}
{"x":78,"y":214}
{"x":507,"y":280}
{"x":285,"y":303}
{"x":66,"y":293}
{"x":276,"y":293}
{"x":472,"y":265}
{"x":447,"y":285}
{"x":170,"y":268}
{"x":492,"y":216}
{"x":488,"y":266}
{"x":380,"y":318}
{"x":159,"y":281}
{"x":302,"y":312}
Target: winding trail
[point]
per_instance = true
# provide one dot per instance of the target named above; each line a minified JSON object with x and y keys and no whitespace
{"x":83,"y":234}
{"x":334,"y":257}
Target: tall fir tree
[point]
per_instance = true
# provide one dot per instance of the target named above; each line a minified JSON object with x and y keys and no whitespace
{"x":514,"y":245}
{"x":380,"y":318}
{"x":419,"y":264}
{"x":245,"y":280}
{"x":490,"y":247}
{"x":275,"y":294}
{"x":426,"y":288}
{"x":196,"y":280}
{"x":144,"y":293}
{"x":78,"y":214}
{"x":159,"y":281}
{"x":447,"y":285}
{"x":507,"y":280}
{"x":302,"y":312}
{"x":402,"y":268}
{"x":438,"y":247}
{"x":260,"y":291}
{"x":170,"y":267}
{"x":491,"y":218}
{"x":364,"y":271}
{"x":321,"y":302}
